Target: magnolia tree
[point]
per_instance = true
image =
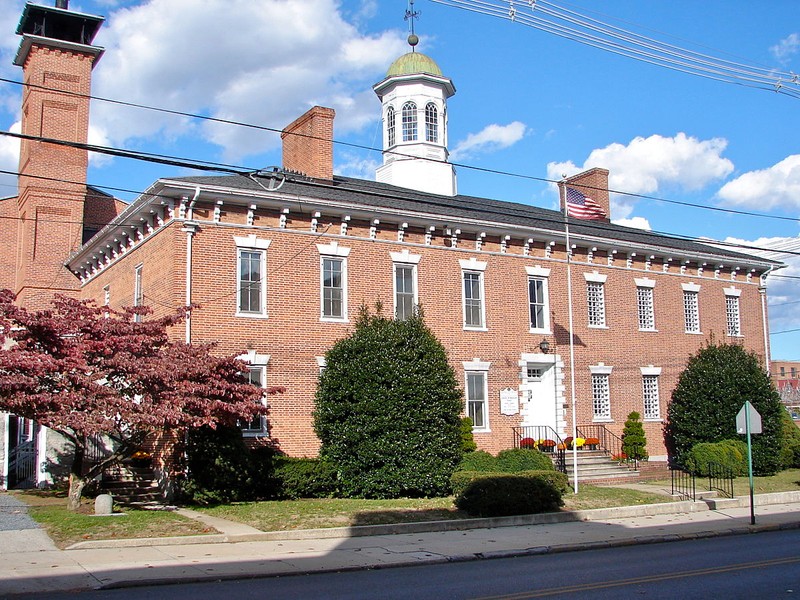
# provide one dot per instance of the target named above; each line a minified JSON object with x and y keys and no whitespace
{"x":86,"y":371}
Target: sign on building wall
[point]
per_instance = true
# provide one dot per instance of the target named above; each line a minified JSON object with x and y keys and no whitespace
{"x":509,"y":401}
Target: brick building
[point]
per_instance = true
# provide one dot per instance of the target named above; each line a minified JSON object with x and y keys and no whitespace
{"x":280,"y":261}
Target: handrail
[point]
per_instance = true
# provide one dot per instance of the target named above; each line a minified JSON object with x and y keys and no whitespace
{"x":610,"y":443}
{"x":537,"y":433}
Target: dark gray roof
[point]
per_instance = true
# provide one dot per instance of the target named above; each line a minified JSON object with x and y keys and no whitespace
{"x":372,"y":195}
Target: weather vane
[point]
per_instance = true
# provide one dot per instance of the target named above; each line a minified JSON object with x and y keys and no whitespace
{"x":411,"y":15}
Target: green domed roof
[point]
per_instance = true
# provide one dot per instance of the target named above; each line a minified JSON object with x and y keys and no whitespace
{"x":412,"y":64}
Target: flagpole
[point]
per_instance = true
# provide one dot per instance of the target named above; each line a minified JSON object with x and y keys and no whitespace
{"x":571,"y":343}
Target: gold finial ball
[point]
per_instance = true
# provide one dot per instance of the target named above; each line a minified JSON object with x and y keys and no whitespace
{"x":413,"y":40}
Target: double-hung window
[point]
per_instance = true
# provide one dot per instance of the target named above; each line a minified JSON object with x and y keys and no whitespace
{"x":473,"y":293}
{"x":691,"y":307}
{"x":596,"y":299}
{"x":732,"y":316}
{"x":644,"y":304}
{"x":477,"y":394}
{"x":405,"y":284}
{"x":650,"y":397}
{"x":257,"y":376}
{"x":251,"y":278}
{"x":601,"y":392}
{"x":333,"y":282}
{"x":538,"y":302}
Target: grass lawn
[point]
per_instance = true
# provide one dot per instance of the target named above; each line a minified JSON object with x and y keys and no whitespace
{"x":333,"y":512}
{"x":66,"y":527}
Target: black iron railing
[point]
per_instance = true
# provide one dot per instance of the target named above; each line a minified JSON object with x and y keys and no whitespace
{"x":544,"y":438}
{"x":683,"y":483}
{"x":720,"y":478}
{"x":610,"y":444}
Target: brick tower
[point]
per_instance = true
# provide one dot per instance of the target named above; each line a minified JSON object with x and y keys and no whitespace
{"x":57,"y":56}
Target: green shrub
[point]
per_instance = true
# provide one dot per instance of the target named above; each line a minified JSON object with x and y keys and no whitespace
{"x":303,"y":478}
{"x":505,"y":494}
{"x":728,"y":453}
{"x":523,"y":459}
{"x":634,"y":443}
{"x":462,"y":479}
{"x":219,"y":467}
{"x":467,"y":439}
{"x":790,"y":442}
{"x":480,"y":460}
{"x":710,"y":392}
{"x":388,"y":410}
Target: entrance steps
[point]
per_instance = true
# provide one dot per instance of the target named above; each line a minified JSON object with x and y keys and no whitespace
{"x":597,"y":466}
{"x":133,"y":486}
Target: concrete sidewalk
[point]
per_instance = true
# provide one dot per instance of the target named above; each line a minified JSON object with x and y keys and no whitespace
{"x":241,"y":552}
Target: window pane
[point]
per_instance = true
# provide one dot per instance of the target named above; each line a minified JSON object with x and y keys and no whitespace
{"x":404,"y":290}
{"x":596,"y":303}
{"x":255,"y":376}
{"x":476,"y":399}
{"x":473,"y":303}
{"x":409,"y":116}
{"x":431,"y":123}
{"x":250,"y":284}
{"x":537,"y":303}
{"x":332,"y":288}
{"x":390,"y":126}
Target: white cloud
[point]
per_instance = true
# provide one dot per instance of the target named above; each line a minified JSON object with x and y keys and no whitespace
{"x":786,"y":48}
{"x":269,"y":62}
{"x":635,"y":222}
{"x":649,"y":165}
{"x":354,"y":166}
{"x":782,"y":291}
{"x":776,"y":186}
{"x":490,"y":138}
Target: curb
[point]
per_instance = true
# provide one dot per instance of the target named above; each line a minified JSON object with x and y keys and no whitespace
{"x":621,"y":512}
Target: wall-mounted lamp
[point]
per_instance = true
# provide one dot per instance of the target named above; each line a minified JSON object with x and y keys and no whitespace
{"x":544,"y":346}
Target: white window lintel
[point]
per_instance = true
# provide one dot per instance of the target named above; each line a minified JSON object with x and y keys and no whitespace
{"x":333,"y":249}
{"x":650,"y":370}
{"x":595,"y":277}
{"x":405,"y":257}
{"x":537,"y":271}
{"x":600,"y":369}
{"x":732,"y":291}
{"x":476,"y":364}
{"x":472,"y":264}
{"x":644,"y":282}
{"x":691,"y":287}
{"x":251,"y":241}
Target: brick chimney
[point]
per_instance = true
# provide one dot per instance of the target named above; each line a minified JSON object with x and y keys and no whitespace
{"x":593,"y":184}
{"x":308,"y":143}
{"x":57,"y":57}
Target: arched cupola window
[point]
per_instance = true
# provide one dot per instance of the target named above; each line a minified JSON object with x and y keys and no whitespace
{"x":390,"y":127}
{"x":431,"y":123}
{"x":409,"y":122}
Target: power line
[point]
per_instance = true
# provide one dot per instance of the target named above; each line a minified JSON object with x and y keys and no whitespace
{"x":190,"y":163}
{"x":595,"y":33}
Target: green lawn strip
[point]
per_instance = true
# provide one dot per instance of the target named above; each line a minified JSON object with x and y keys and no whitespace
{"x":66,"y":527}
{"x":593,"y":496}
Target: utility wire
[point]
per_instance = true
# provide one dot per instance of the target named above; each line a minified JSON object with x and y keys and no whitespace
{"x":591,"y":32}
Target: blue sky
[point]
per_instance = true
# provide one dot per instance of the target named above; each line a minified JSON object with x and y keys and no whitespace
{"x":528,"y":103}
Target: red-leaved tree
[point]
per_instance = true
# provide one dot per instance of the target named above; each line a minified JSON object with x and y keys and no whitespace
{"x":84,"y":370}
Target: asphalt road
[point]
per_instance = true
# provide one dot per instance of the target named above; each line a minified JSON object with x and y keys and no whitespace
{"x":763,"y":565}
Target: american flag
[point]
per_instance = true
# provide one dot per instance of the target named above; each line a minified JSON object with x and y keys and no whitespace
{"x":582,"y":207}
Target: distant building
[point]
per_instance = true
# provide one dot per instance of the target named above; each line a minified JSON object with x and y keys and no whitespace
{"x":281,"y":260}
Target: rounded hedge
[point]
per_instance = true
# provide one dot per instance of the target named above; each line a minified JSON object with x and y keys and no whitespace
{"x":730,"y":454}
{"x":710,"y":392}
{"x":388,"y":410}
{"x":506,"y":494}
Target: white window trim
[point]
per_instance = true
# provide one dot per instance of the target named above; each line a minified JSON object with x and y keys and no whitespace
{"x":262,"y":309}
{"x":601,"y":369}
{"x":253,"y":359}
{"x":543,"y":275}
{"x":333,"y":250}
{"x":732,"y":291}
{"x":647,"y":284}
{"x":473,"y":266}
{"x":693,"y":288}
{"x":138,"y":290}
{"x":414,"y":282}
{"x":477,"y":365}
{"x":595,"y":277}
{"x":651,"y":371}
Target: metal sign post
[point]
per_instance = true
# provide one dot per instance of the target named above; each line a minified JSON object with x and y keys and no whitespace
{"x":748,"y":421}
